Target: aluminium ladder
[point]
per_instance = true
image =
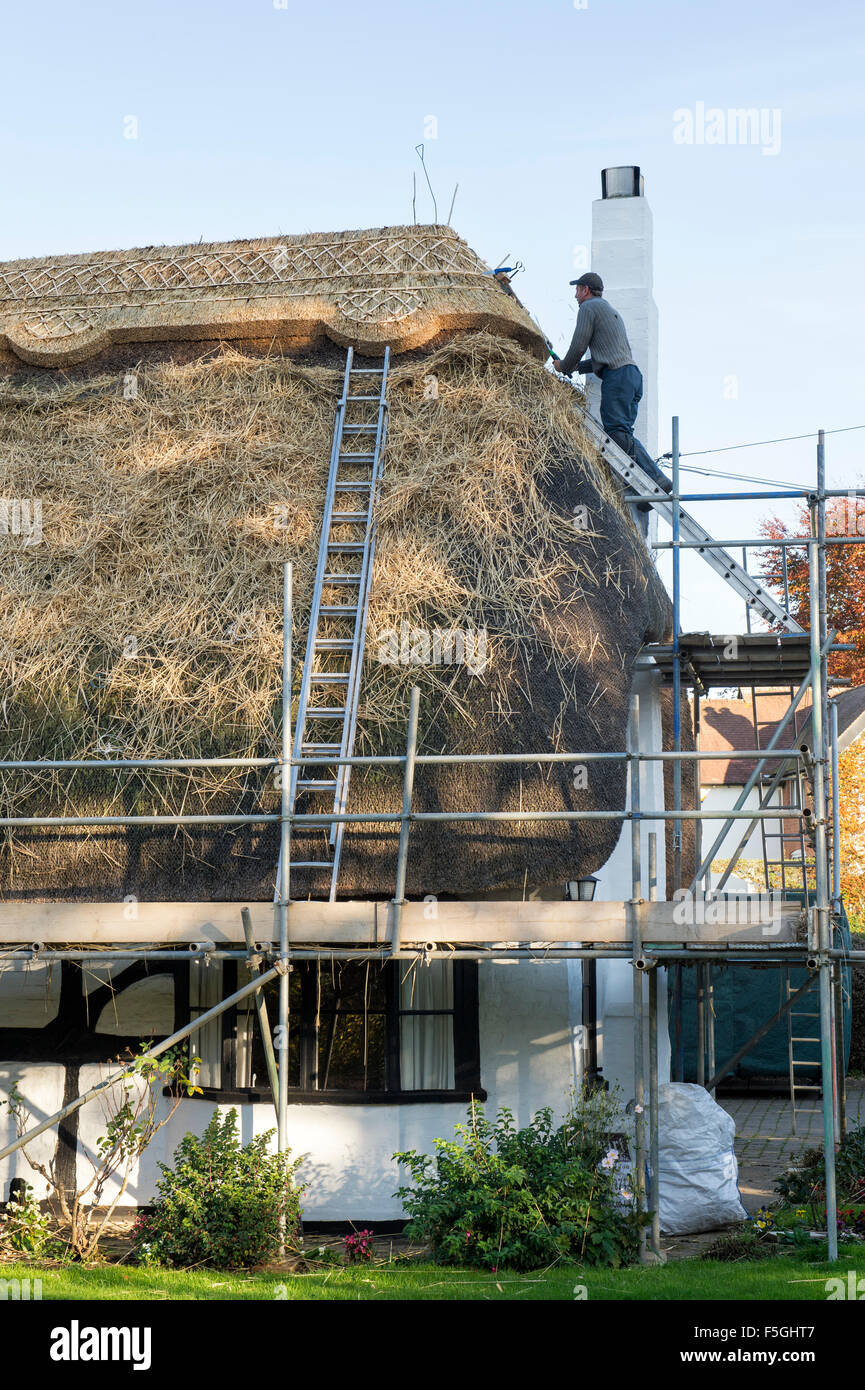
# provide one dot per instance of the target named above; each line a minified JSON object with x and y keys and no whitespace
{"x":330,"y":686}
{"x":758,"y":599}
{"x":803,"y":1048}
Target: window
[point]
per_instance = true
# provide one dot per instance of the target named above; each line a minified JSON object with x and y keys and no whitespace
{"x":358,"y":1030}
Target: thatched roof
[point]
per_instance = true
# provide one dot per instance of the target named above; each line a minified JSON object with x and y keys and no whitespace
{"x":391,"y":286}
{"x":147,"y":618}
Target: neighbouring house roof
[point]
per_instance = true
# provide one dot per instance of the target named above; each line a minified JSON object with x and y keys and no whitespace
{"x":729,"y":724}
{"x":389,"y":286}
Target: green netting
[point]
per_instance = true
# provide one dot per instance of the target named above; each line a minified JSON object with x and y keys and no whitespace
{"x":746,"y":996}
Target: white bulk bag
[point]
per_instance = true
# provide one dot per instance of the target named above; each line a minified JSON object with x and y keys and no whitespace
{"x":697,"y":1167}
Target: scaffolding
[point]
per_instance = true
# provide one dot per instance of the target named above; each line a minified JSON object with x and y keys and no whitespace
{"x":638,"y":929}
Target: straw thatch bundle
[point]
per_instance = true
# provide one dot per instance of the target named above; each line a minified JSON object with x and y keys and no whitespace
{"x":146,"y":621}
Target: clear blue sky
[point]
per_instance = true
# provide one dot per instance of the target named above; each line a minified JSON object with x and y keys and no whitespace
{"x":254,"y":119}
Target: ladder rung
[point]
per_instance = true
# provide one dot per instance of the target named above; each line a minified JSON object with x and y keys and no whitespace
{"x":359,"y":476}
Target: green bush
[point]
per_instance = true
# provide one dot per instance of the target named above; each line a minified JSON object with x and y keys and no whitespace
{"x":807,"y":1180}
{"x":221,"y":1203}
{"x":502,"y":1198}
{"x":25,"y":1228}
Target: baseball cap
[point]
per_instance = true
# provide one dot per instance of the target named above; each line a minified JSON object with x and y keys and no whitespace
{"x":591,"y":281}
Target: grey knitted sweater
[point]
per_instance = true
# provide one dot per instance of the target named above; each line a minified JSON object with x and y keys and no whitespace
{"x":600,"y":330}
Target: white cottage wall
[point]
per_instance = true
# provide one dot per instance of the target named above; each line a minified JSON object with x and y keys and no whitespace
{"x":526,"y":1062}
{"x":615,"y":977}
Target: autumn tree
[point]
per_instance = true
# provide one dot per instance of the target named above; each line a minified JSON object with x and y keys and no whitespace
{"x":845,"y":613}
{"x":845,"y":578}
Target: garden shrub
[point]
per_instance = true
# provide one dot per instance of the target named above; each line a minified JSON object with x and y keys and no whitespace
{"x":807,"y":1179}
{"x":220,"y":1204}
{"x":498,"y":1197}
{"x":25,"y":1229}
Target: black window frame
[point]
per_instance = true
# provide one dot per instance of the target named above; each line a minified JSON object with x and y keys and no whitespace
{"x":466,"y":1045}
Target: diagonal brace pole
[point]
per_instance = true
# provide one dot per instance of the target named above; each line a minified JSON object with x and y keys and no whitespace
{"x":152,"y":1053}
{"x":765,"y":801}
{"x":757,"y":773}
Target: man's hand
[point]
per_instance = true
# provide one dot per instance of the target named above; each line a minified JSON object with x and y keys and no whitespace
{"x":557,"y":364}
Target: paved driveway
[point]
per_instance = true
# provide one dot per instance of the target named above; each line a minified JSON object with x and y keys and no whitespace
{"x":766,"y":1144}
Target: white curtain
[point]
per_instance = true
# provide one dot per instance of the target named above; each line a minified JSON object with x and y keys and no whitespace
{"x":245,"y":1025}
{"x":205,"y":990}
{"x":426,"y":1041}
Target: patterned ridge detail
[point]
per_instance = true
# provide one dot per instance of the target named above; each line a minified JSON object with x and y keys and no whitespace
{"x":379,"y":306}
{"x":390,"y":286}
{"x":59,"y":323}
{"x":279,"y":264}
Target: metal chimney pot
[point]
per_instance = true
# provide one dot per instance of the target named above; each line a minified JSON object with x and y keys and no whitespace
{"x":625,"y":181}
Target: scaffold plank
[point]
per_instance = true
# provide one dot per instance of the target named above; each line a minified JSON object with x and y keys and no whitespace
{"x":753,"y":919}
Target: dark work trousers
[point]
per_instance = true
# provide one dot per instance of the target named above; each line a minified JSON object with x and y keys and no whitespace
{"x":621,"y":392}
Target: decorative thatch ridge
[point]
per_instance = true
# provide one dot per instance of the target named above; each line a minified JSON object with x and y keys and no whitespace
{"x":390,"y":286}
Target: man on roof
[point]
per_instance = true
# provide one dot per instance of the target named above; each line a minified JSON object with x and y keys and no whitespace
{"x":601,"y":332}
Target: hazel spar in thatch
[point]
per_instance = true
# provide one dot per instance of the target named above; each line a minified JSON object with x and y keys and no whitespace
{"x":147,"y":621}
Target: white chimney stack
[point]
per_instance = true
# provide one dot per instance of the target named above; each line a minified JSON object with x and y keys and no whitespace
{"x":622,"y":256}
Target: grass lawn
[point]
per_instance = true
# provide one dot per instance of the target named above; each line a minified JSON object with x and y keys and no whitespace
{"x":777,"y":1279}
